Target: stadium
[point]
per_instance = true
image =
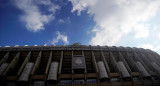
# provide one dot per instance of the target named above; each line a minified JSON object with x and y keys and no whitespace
{"x":78,"y":65}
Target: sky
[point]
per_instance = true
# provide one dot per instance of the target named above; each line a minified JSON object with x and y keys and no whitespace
{"x":133,"y":23}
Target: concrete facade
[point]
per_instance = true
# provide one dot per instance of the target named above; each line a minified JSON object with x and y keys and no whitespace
{"x":121,"y":66}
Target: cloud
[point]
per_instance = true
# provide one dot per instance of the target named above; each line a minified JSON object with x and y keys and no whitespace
{"x":79,"y":5}
{"x":61,"y":21}
{"x":159,"y":35}
{"x":60,"y":37}
{"x":68,"y":20}
{"x":116,"y":18}
{"x":152,"y":47}
{"x":147,"y":46}
{"x":65,"y":20}
{"x":34,"y":17}
{"x":142,"y":31}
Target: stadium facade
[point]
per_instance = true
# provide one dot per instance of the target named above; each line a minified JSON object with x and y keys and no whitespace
{"x":78,"y":65}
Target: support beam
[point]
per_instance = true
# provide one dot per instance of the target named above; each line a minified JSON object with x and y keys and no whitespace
{"x":156,"y":67}
{"x":85,"y":71}
{"x":124,"y":62}
{"x":52,"y":76}
{"x":103,"y":76}
{"x":60,"y":65}
{"x":26,"y":72}
{"x":94,"y":62}
{"x":3,"y":68}
{"x":83,"y":53}
{"x":13,"y":64}
{"x":24,"y":63}
{"x":72,"y":70}
{"x":105,"y":62}
{"x":146,"y":61}
{"x":114,"y":63}
{"x":156,"y":56}
{"x":38,"y":60}
{"x":4,"y":59}
{"x":131,"y":62}
{"x":152,"y":58}
{"x":49,"y":63}
{"x":142,"y":70}
{"x":84,"y":61}
{"x":137,"y":58}
{"x":123,"y":69}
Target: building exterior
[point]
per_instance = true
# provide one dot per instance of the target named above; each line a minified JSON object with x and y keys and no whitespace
{"x":78,"y":65}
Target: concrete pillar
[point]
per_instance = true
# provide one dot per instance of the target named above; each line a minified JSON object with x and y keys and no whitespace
{"x":37,"y":63}
{"x":142,"y":70}
{"x":123,"y":69}
{"x":4,"y":59}
{"x":105,"y":62}
{"x":3,"y":67}
{"x":60,"y":66}
{"x":114,"y":63}
{"x":102,"y":71}
{"x":94,"y":62}
{"x":26,"y":72}
{"x":52,"y":76}
{"x":156,"y":67}
{"x":13,"y":64}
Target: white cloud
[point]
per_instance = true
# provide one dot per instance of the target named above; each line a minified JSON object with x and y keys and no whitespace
{"x":60,"y":37}
{"x":68,"y":20}
{"x":65,"y":20}
{"x":159,"y":35}
{"x":35,"y":18}
{"x":141,"y":31}
{"x":116,"y":18}
{"x":147,"y":46}
{"x":80,"y":5}
{"x":61,"y":21}
{"x":152,"y":47}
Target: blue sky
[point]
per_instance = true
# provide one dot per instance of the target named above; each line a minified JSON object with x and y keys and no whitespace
{"x":133,"y":23}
